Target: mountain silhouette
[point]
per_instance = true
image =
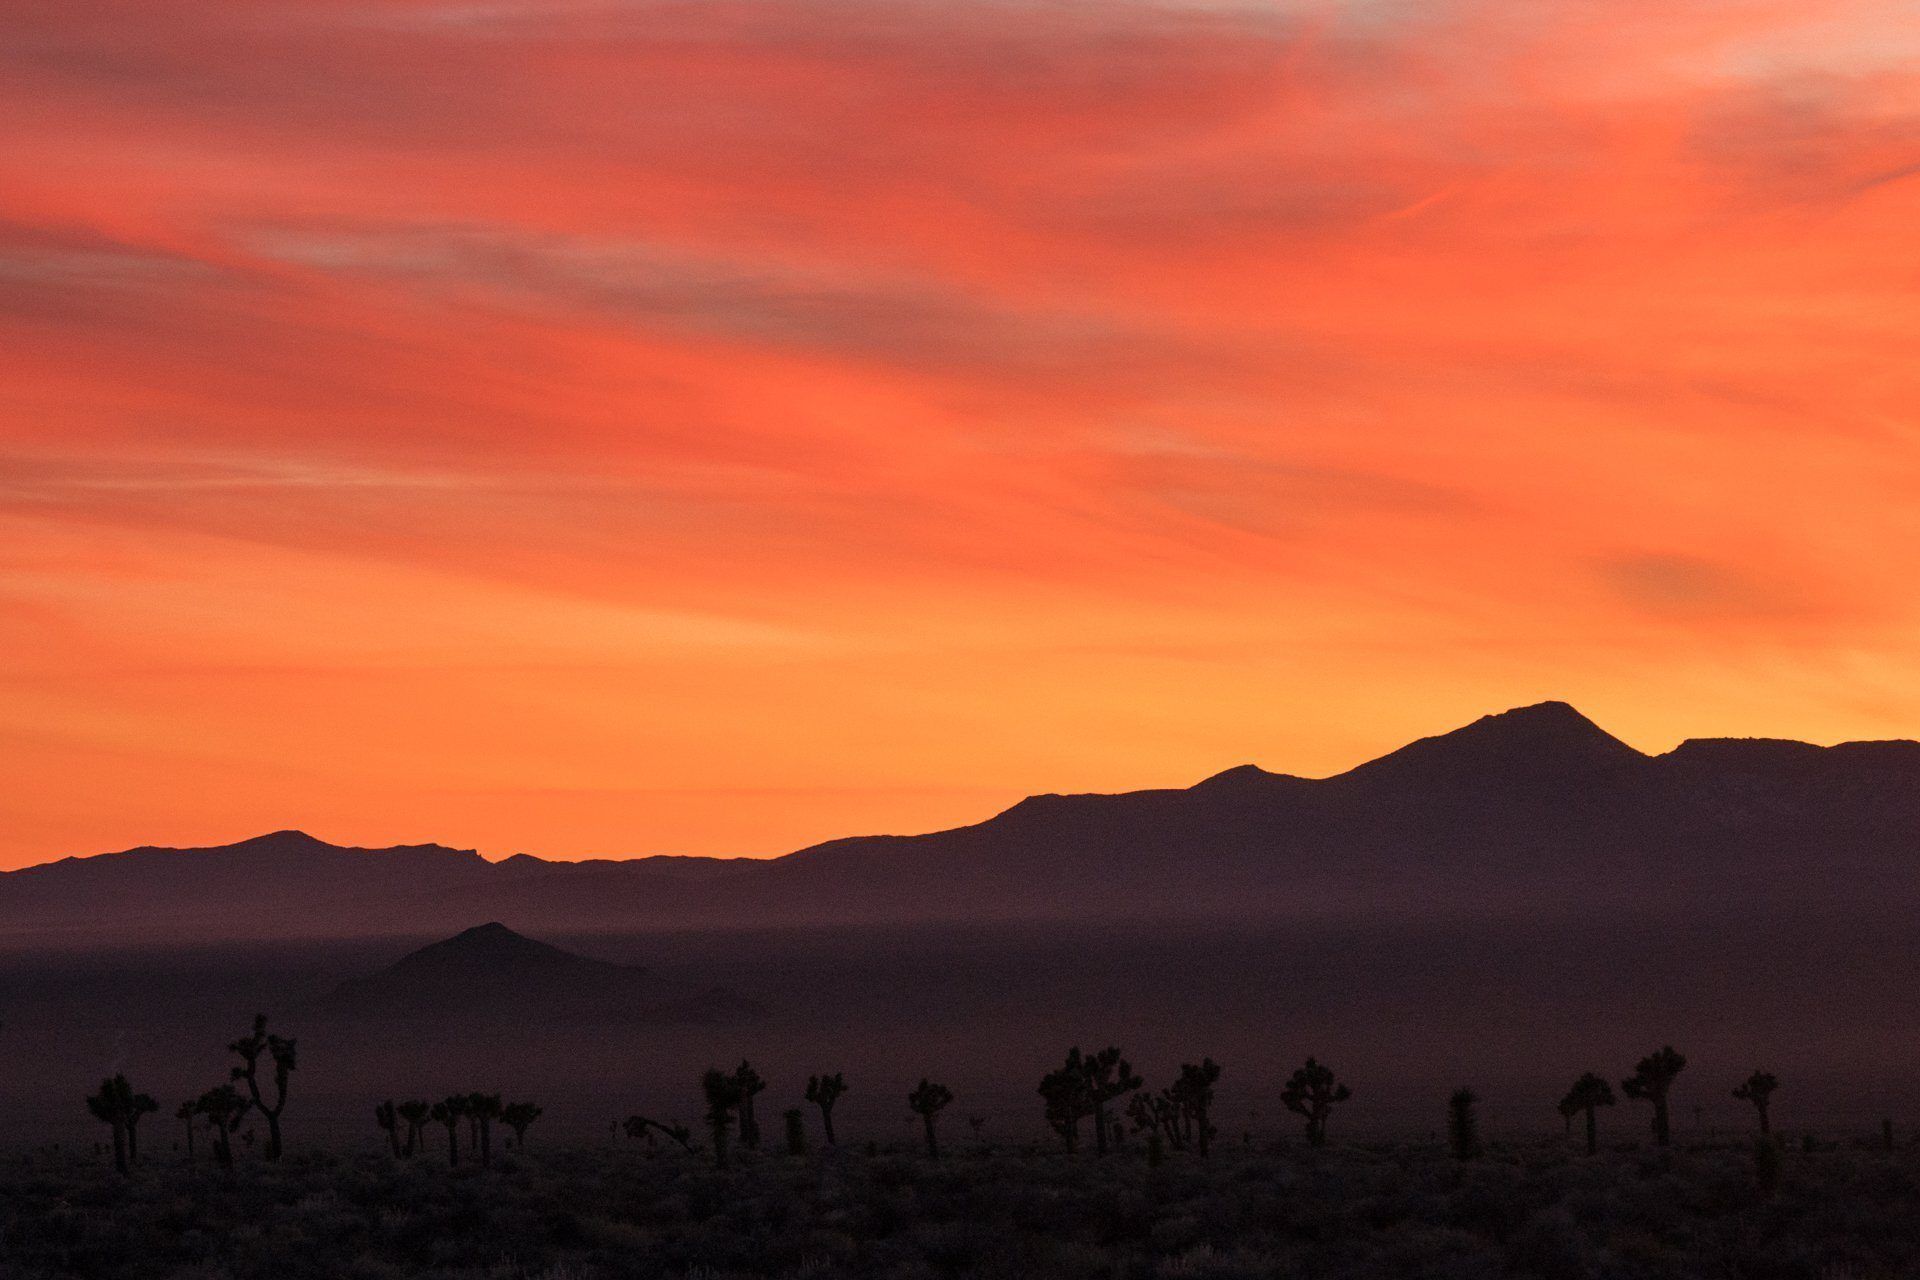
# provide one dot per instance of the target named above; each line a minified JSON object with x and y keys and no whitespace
{"x":1536,"y":812}
{"x":490,"y":973}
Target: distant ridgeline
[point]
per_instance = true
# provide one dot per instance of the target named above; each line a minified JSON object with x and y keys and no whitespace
{"x":1533,"y":812}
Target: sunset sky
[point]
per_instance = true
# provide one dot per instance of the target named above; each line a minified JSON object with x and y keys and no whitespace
{"x":587,"y":427}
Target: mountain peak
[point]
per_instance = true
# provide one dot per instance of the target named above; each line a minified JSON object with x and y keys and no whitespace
{"x":1545,"y":739}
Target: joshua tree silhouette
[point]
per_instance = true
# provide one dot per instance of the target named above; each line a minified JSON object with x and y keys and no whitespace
{"x":926,"y":1101}
{"x":416,"y":1114}
{"x":750,"y":1084}
{"x":483,"y":1109}
{"x":723,"y":1099}
{"x":1588,"y":1092}
{"x":1651,"y":1080}
{"x":139,"y":1105}
{"x":450,"y":1112}
{"x":224,"y":1109}
{"x":796,"y":1131}
{"x":388,"y":1118}
{"x":1312,"y":1092}
{"x":113,"y":1105}
{"x":280,"y":1050}
{"x":518,"y":1116}
{"x":1758,"y":1089}
{"x":1108,"y":1077}
{"x":185,"y":1115}
{"x":1193,"y":1093}
{"x":823,"y":1092}
{"x":1463,"y":1127}
{"x":1065,"y":1092}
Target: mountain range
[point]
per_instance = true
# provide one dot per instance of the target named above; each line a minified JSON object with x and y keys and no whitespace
{"x":1534,"y":812}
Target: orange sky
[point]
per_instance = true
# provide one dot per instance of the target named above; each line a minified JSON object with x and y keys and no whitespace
{"x":607,"y":426}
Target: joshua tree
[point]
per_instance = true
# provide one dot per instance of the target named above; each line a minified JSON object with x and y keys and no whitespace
{"x":722,"y":1091}
{"x":482,"y":1110}
{"x":1158,"y":1116}
{"x":416,"y":1114}
{"x":750,"y":1083}
{"x":517,"y":1116}
{"x":823,"y":1092}
{"x":280,"y":1050}
{"x":224,"y":1109}
{"x":1758,"y":1090}
{"x":449,"y":1113}
{"x":140,"y":1104}
{"x":1065,"y":1093}
{"x":388,"y":1118}
{"x":1588,"y":1092}
{"x":1651,"y":1080}
{"x":639,"y":1126}
{"x":1108,"y":1076}
{"x":113,"y":1105}
{"x":796,"y":1131}
{"x":926,"y":1101}
{"x":1312,"y":1092}
{"x":185,"y":1116}
{"x":1463,"y":1127}
{"x":1193,"y":1092}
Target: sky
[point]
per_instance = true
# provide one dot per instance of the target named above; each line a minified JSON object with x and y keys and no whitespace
{"x":594,"y":428}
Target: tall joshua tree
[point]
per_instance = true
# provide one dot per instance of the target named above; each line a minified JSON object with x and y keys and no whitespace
{"x":722,"y":1090}
{"x":224,"y":1109}
{"x":518,"y":1116}
{"x":1312,"y":1092}
{"x":483,"y":1109}
{"x":140,"y":1104}
{"x":186,"y":1116}
{"x":387,"y":1116}
{"x":1589,"y":1093}
{"x":750,"y":1084}
{"x":1108,"y":1077}
{"x":1064,"y":1091}
{"x":450,"y":1111}
{"x":927,"y":1101}
{"x":1758,"y":1089}
{"x":416,"y":1114}
{"x":1193,"y":1093}
{"x":279,"y":1050}
{"x":111,"y":1106}
{"x":823,"y":1092}
{"x":1651,"y":1080}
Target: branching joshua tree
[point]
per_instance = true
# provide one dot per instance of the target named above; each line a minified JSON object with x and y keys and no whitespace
{"x":927,"y":1101}
{"x":450,"y":1112}
{"x":1108,"y":1077}
{"x":519,"y":1116}
{"x":1312,"y":1092}
{"x":1758,"y":1089}
{"x":722,"y":1091}
{"x":749,"y":1082}
{"x":639,"y":1127}
{"x":140,"y":1104}
{"x":387,"y":1116}
{"x":1067,"y":1100}
{"x":416,"y":1114}
{"x":823,"y":1092}
{"x":112,"y":1106}
{"x":1589,"y":1093}
{"x":1193,"y":1092}
{"x":1463,"y":1127}
{"x":224,"y":1109}
{"x":483,"y":1109}
{"x":1650,"y":1081}
{"x":1158,"y":1116}
{"x":186,"y":1116}
{"x":280,"y":1052}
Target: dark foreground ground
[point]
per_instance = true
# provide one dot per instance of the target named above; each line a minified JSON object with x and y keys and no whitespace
{"x":1843,"y":1212}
